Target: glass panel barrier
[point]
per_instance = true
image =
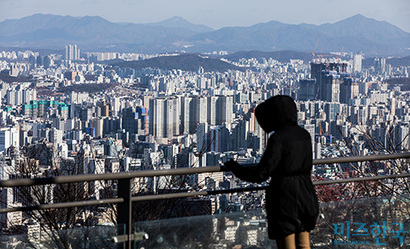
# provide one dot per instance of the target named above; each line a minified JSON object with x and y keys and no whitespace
{"x":209,"y":231}
{"x":378,"y":222}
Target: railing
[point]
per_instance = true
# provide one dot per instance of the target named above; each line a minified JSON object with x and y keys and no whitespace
{"x":125,"y":198}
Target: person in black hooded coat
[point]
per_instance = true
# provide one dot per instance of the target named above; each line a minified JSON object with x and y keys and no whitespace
{"x":291,"y":201}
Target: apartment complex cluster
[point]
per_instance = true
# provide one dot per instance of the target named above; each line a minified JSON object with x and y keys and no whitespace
{"x":164,"y":119}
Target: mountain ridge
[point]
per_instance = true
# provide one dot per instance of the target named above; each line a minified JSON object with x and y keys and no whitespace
{"x":93,"y":33}
{"x":185,"y":62}
{"x":180,"y":22}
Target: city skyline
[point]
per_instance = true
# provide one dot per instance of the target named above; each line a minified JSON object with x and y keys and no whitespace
{"x":216,"y":14}
{"x":74,"y":114}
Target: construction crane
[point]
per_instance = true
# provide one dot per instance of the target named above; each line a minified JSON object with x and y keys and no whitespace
{"x":319,"y":56}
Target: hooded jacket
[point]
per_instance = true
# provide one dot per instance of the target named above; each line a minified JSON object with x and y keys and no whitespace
{"x":291,"y":201}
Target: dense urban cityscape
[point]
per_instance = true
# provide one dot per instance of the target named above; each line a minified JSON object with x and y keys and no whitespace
{"x":165,"y":119}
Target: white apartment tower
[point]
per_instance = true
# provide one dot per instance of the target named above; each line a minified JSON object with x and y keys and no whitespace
{"x":357,"y":63}
{"x":8,"y":137}
{"x":165,"y":117}
{"x":72,"y":53}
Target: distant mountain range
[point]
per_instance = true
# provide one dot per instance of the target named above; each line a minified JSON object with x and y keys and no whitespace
{"x":91,"y":33}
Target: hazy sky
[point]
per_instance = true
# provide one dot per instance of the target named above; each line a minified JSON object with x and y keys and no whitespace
{"x":216,"y":13}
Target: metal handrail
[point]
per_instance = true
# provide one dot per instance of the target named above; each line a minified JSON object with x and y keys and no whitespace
{"x":183,"y":194}
{"x":180,"y":171}
{"x":110,"y":176}
{"x":166,"y":172}
{"x":362,"y":158}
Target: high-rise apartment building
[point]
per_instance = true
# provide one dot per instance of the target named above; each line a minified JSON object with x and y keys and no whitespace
{"x":349,"y":89}
{"x":218,"y":138}
{"x":202,"y":138}
{"x":172,"y":116}
{"x":333,"y":83}
{"x":130,"y":120}
{"x":72,"y":53}
{"x":224,"y":108}
{"x":186,"y":103}
{"x":8,"y":137}
{"x":165,"y":117}
{"x":380,"y":64}
{"x":212,"y":109}
{"x":357,"y":63}
{"x":307,"y":90}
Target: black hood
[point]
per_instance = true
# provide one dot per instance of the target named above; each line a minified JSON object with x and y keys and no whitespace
{"x":276,"y":112}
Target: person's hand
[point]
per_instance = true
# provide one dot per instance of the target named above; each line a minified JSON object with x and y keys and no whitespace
{"x":231,"y":165}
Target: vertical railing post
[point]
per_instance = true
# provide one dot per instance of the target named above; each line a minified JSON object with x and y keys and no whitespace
{"x":124,"y":210}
